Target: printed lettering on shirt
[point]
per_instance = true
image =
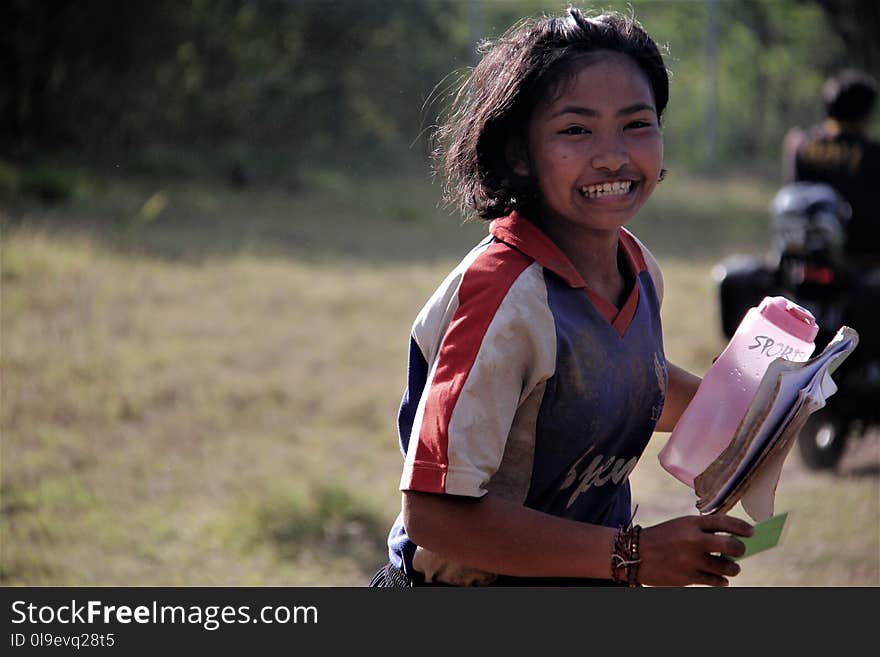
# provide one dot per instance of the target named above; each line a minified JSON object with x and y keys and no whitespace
{"x":847,"y":156}
{"x":660,"y":373}
{"x":599,"y":472}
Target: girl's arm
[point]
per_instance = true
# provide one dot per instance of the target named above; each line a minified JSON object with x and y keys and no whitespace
{"x":499,"y":536}
{"x":681,"y":386}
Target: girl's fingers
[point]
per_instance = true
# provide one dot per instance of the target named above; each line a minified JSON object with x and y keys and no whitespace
{"x":724,"y":523}
{"x":729,"y":546}
{"x":720,"y":566}
{"x":708,"y":579}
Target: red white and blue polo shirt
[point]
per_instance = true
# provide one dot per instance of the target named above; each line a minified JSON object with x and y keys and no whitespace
{"x":524,"y":382}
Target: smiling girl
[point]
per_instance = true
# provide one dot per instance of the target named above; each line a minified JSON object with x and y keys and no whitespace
{"x":536,"y":370}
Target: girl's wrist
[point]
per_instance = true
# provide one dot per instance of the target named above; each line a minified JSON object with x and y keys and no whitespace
{"x":625,"y":556}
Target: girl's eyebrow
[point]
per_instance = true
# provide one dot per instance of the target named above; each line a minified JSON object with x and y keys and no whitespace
{"x":586,"y":111}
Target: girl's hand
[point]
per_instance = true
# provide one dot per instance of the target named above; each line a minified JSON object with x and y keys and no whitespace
{"x":688,"y":551}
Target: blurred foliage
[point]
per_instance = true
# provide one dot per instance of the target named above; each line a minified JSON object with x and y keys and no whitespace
{"x":857,"y":22}
{"x":9,"y":177}
{"x":256,"y":88}
{"x":48,"y":183}
{"x":323,"y":79}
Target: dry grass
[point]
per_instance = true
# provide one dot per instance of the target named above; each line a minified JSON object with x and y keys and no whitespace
{"x":208,"y":397}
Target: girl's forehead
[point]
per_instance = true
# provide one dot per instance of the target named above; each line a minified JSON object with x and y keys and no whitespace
{"x":578,"y":74}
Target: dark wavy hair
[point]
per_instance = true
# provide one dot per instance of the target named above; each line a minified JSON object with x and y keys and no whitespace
{"x":495,"y":101}
{"x":849,"y":95}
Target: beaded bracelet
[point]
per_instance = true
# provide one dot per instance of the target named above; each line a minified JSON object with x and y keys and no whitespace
{"x":625,"y":556}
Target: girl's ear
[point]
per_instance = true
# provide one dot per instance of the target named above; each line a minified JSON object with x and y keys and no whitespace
{"x":517,"y":157}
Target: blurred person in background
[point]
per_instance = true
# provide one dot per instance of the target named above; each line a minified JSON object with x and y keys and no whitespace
{"x":840,"y":152}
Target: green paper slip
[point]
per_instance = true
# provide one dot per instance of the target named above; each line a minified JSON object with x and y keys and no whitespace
{"x":766,"y":535}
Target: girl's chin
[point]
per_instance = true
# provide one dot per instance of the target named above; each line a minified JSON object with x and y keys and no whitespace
{"x":602,"y":213}
{"x":620,"y":208}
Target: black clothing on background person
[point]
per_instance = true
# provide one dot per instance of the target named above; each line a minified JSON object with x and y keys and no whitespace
{"x":849,"y":162}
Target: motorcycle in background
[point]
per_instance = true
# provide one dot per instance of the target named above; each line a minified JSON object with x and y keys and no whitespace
{"x":807,"y":266}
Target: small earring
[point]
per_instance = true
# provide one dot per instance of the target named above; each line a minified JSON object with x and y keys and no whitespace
{"x":662,"y":175}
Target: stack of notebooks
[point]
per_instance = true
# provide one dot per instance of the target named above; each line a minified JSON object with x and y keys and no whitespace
{"x":748,"y":470}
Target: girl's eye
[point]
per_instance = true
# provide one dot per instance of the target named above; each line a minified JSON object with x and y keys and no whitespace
{"x":575,"y":130}
{"x":635,"y":125}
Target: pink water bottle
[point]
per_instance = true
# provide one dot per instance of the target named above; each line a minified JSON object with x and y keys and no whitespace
{"x":777,"y":328}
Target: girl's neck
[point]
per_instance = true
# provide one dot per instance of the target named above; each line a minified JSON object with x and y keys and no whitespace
{"x":603,"y":273}
{"x":594,"y":255}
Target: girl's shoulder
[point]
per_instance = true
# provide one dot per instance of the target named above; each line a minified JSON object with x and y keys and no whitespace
{"x":482,"y":278}
{"x":651,"y":265}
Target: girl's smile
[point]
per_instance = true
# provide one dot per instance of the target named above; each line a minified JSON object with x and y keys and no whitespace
{"x":602,"y":190}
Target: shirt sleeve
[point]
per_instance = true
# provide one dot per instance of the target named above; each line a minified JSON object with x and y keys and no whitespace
{"x":498,"y":345}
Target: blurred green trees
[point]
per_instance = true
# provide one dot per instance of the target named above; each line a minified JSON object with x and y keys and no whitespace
{"x":361,"y":81}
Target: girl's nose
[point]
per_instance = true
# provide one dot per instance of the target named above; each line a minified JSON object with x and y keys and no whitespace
{"x":610,"y":154}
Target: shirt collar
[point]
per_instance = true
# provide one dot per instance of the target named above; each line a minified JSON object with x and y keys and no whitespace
{"x":520,"y":233}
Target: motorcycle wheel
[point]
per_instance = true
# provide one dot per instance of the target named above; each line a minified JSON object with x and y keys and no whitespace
{"x":822,"y":439}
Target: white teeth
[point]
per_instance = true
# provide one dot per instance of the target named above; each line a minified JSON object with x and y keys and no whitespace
{"x":606,"y":189}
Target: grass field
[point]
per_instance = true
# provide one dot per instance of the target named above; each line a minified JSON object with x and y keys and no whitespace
{"x":200,"y":385}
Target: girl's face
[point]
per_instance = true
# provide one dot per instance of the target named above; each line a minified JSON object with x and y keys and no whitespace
{"x":596,"y":148}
